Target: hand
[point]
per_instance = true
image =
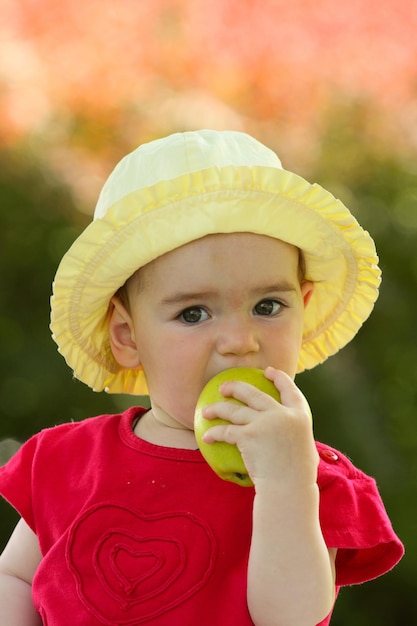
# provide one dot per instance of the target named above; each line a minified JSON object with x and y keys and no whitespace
{"x":275,"y":439}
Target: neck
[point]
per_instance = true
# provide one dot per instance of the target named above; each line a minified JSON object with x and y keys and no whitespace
{"x":159,"y":428}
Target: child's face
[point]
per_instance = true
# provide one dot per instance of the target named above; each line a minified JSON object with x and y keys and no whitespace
{"x":223,"y":301}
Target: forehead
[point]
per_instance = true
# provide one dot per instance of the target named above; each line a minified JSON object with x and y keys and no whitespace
{"x":224,"y":252}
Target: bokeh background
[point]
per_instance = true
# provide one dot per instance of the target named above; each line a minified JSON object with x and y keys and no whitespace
{"x":331,"y":86}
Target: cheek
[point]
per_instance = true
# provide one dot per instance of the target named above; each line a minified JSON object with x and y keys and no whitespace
{"x":176,"y":368}
{"x":168,"y":368}
{"x":284,"y":347}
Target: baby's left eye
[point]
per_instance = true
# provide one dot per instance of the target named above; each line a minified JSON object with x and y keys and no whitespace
{"x":268,"y":307}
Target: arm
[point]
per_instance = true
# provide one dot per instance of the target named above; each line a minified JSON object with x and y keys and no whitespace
{"x":291,"y":580}
{"x":291,"y":576}
{"x":18,"y":564}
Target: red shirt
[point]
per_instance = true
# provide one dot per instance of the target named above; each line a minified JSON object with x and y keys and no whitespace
{"x":133,"y":533}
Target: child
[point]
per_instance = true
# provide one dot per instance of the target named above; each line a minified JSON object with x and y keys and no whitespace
{"x":204,"y":254}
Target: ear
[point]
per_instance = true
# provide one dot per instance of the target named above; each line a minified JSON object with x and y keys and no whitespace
{"x":307,"y":289}
{"x":122,"y":336}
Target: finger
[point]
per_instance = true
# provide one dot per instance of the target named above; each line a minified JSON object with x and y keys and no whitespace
{"x":248,"y":394}
{"x":228,"y":433}
{"x":291,"y":395}
{"x":229,"y":411}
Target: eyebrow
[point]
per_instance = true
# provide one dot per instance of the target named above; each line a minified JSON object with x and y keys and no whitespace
{"x":185,"y":296}
{"x":180,"y":297}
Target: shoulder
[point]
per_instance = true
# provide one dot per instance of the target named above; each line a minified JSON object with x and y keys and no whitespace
{"x":93,"y":428}
{"x":344,"y":488}
{"x":54,"y":460}
{"x":334,"y":464}
{"x":64,"y":444}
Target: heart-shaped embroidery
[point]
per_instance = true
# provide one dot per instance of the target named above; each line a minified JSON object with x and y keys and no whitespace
{"x":131,"y":567}
{"x":125,"y":561}
{"x":146,"y":564}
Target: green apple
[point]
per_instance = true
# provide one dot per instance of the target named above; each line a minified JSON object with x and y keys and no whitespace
{"x":224,"y":458}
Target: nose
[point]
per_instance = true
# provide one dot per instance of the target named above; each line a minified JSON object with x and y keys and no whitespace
{"x":237,"y":338}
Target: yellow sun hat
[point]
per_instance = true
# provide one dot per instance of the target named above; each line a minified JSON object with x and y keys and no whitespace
{"x":174,"y":190}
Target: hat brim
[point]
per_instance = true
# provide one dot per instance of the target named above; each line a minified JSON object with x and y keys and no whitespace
{"x":340,"y":258}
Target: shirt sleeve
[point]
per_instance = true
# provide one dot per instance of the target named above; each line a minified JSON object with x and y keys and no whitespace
{"x":19,"y":477}
{"x":354,"y":520}
{"x":16,"y":481}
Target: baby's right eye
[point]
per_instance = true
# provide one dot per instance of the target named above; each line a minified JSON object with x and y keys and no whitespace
{"x":193,"y":315}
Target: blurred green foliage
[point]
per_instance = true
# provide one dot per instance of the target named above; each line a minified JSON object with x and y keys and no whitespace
{"x":39,"y":224}
{"x":364,"y":399}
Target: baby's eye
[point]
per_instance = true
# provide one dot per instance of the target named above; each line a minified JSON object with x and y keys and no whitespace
{"x":193,"y":315}
{"x":268,"y":307}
